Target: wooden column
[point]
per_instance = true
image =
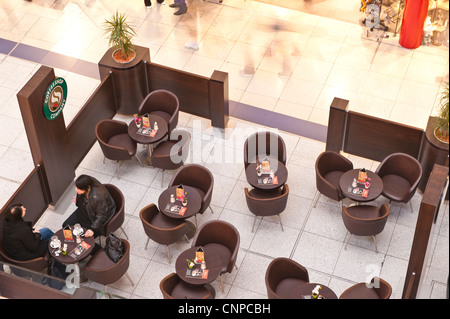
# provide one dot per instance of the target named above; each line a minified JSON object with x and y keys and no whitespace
{"x":129,"y":79}
{"x":218,"y":99}
{"x":47,"y":138}
{"x":336,"y":124}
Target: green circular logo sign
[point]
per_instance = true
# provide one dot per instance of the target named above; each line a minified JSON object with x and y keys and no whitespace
{"x":55,"y":98}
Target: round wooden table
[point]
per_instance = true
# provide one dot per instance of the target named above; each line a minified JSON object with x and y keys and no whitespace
{"x":213,"y":264}
{"x":256,"y":181}
{"x":71,"y":245}
{"x":146,"y":139}
{"x":305,"y":291}
{"x":191,"y":209}
{"x":193,"y":206}
{"x":375,"y":188}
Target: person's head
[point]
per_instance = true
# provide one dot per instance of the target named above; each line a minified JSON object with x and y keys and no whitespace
{"x":15,"y":212}
{"x":84,"y":183}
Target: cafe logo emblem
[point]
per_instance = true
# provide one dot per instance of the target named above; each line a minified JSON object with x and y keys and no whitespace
{"x":55,"y":98}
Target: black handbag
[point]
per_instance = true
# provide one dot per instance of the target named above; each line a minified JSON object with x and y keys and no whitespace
{"x":114,"y":247}
{"x":57,"y":270}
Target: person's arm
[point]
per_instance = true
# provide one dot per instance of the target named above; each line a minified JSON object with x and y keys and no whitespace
{"x":28,"y":239}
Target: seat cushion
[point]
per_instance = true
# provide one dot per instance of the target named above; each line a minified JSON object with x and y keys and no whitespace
{"x":334,"y":177}
{"x":223,"y":251}
{"x":162,"y":221}
{"x":360,"y":292}
{"x":165,"y":149}
{"x":395,"y":187}
{"x":183,"y":290}
{"x":286,"y":288}
{"x":100,"y":261}
{"x":262,"y":194}
{"x":124,"y":141}
{"x":364,"y":211}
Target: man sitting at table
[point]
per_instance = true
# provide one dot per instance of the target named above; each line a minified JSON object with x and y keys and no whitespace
{"x":95,"y":206}
{"x":20,"y":240}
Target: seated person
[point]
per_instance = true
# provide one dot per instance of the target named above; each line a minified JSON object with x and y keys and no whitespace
{"x":95,"y":206}
{"x":20,"y":240}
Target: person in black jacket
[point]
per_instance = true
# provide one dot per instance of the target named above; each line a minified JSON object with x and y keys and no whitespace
{"x":20,"y":240}
{"x":95,"y":206}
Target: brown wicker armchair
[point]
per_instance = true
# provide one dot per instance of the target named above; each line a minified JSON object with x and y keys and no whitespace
{"x":330,"y":166}
{"x":267,"y":203}
{"x":282,"y":276}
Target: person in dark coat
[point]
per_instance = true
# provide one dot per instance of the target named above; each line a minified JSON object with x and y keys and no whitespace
{"x":95,"y":206}
{"x":20,"y":240}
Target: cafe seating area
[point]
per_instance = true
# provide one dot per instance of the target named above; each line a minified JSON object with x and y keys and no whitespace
{"x":313,"y":232}
{"x":299,"y":221}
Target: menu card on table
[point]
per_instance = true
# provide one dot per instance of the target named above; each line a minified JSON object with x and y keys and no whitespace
{"x":68,"y":235}
{"x":197,"y":273}
{"x":358,"y":191}
{"x":176,"y":209}
{"x":146,"y":131}
{"x":268,"y":180}
{"x":81,"y":248}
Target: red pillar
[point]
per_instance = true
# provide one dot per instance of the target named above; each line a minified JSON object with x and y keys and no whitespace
{"x":413,"y":21}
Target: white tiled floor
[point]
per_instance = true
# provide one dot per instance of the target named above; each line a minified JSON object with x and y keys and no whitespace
{"x":320,"y":58}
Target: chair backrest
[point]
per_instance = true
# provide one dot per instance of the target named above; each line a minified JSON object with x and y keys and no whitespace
{"x":267,"y":203}
{"x":365,"y":226}
{"x":162,"y":100}
{"x":221,"y":232}
{"x":119,"y":217}
{"x":36,"y":264}
{"x":167,"y":284}
{"x":377,"y":288}
{"x":172,"y":282}
{"x":162,"y":235}
{"x":172,"y":154}
{"x":104,"y":130}
{"x":282,"y":268}
{"x":327,"y":162}
{"x":403,"y":165}
{"x":264,"y":143}
{"x":197,"y":176}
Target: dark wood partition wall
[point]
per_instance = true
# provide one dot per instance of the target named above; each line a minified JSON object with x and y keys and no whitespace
{"x":369,"y":136}
{"x":429,"y":208}
{"x":198,"y":95}
{"x":191,"y":90}
{"x":81,"y":131}
{"x":375,"y":138}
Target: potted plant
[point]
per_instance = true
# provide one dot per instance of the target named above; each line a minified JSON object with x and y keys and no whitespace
{"x":120,"y":35}
{"x":441,"y":130}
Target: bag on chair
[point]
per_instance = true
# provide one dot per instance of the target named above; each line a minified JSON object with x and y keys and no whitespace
{"x":114,"y":247}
